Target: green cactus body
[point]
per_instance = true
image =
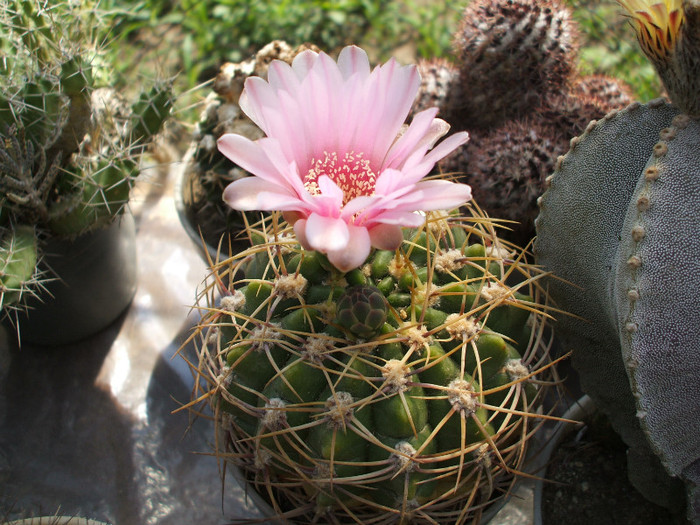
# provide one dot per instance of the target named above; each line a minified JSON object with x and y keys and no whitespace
{"x":69,"y":149}
{"x":619,"y":222}
{"x":18,"y":258}
{"x":383,"y":392}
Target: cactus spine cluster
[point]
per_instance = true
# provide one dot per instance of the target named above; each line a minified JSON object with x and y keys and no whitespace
{"x":515,"y":88}
{"x":69,"y":148}
{"x":619,"y":221}
{"x":404,"y":391}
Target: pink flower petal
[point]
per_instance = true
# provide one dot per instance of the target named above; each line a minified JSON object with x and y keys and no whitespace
{"x":386,"y":236}
{"x":353,"y":61}
{"x":244,"y":194}
{"x":413,"y":138}
{"x":442,"y":194}
{"x":355,"y":252}
{"x":326,"y":233}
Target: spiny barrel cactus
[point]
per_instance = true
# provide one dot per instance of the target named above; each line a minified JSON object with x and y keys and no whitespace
{"x":361,"y":373}
{"x":403,"y":391}
{"x":618,"y":229}
{"x":69,"y":149}
{"x":514,"y":87}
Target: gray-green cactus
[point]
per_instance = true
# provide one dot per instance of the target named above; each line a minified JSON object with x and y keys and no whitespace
{"x":69,"y":148}
{"x":618,"y":229}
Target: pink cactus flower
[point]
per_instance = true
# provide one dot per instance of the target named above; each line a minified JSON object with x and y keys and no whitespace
{"x":337,"y":159}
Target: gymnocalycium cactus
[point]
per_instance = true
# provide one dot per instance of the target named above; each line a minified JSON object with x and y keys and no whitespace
{"x":619,"y":221}
{"x":69,"y":149}
{"x":361,"y":373}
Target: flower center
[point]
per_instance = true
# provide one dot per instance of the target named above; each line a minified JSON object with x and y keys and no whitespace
{"x":352,"y":174}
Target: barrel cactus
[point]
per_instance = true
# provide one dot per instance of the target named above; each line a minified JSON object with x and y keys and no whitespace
{"x":619,"y":221}
{"x":360,"y":372}
{"x":69,"y":146}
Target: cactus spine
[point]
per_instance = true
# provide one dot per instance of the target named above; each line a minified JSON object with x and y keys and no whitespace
{"x":619,"y":221}
{"x":404,"y":391}
{"x":514,"y":87}
{"x":69,"y":149}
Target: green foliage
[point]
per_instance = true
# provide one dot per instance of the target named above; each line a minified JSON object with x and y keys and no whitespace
{"x":609,"y":46}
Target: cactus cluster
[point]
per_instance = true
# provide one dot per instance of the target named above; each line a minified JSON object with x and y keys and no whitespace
{"x":618,"y":227}
{"x":69,"y":146}
{"x":515,"y":88}
{"x":403,"y":391}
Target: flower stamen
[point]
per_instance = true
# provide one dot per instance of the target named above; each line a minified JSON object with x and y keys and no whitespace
{"x":352,"y":174}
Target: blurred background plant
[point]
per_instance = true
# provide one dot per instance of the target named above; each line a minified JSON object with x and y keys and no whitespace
{"x":195,"y":37}
{"x":70,"y":144}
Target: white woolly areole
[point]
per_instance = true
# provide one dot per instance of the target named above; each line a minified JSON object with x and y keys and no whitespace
{"x":397,"y":267}
{"x":262,"y":337}
{"x":234,"y":302}
{"x":275,"y":417}
{"x":437,"y":222}
{"x":396,"y":374}
{"x":499,"y":252}
{"x":288,"y":286}
{"x":460,"y":393}
{"x":449,"y":260}
{"x":339,"y":409}
{"x":316,"y":347}
{"x":403,"y":457}
{"x":262,"y":459}
{"x":462,"y":327}
{"x":516,"y":370}
{"x":494,"y":291}
{"x":415,"y":338}
{"x":208,"y":143}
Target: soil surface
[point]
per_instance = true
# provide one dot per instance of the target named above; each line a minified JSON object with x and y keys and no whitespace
{"x":589,"y":486}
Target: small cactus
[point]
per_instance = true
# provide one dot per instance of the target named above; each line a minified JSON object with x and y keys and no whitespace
{"x":514,"y":87}
{"x":69,"y":149}
{"x":619,"y":222}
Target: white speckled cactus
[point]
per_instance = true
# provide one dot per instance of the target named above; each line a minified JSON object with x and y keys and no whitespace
{"x":619,"y":221}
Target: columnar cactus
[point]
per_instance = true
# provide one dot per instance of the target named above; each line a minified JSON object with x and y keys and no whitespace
{"x":68,"y":150}
{"x":618,"y":229}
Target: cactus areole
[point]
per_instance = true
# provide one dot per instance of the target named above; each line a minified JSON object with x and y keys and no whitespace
{"x":361,"y":373}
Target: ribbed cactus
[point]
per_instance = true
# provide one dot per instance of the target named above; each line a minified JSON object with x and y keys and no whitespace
{"x":69,"y":149}
{"x":403,"y":391}
{"x":514,"y":87}
{"x":618,"y":229}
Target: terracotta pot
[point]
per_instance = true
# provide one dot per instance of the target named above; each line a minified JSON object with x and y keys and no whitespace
{"x":91,"y":281}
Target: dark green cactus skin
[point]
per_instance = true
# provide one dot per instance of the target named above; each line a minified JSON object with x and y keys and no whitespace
{"x":619,"y":222}
{"x":378,"y":421}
